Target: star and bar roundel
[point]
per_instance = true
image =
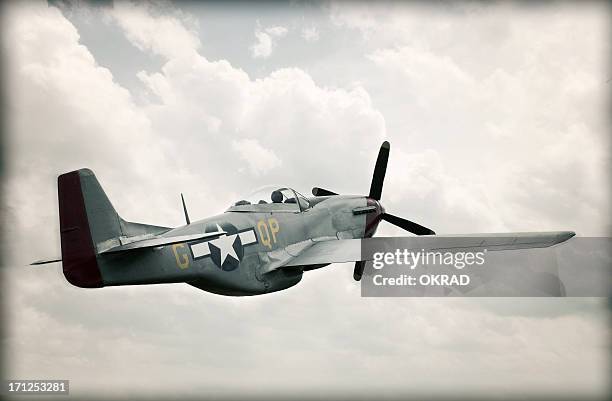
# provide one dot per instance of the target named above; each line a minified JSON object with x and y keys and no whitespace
{"x":225,"y":251}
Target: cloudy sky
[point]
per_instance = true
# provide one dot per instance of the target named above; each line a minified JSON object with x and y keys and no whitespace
{"x":498,"y":116}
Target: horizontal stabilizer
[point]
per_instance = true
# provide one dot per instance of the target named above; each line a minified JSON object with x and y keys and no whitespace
{"x":161,"y":241}
{"x":45,"y":261}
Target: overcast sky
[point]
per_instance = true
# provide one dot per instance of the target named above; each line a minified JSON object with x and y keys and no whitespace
{"x":498,"y":118}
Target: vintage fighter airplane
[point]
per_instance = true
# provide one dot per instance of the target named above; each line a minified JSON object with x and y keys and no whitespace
{"x":262,"y":243}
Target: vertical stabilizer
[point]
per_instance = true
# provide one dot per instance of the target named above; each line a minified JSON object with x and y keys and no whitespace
{"x":79,"y":260}
{"x":88,"y":225}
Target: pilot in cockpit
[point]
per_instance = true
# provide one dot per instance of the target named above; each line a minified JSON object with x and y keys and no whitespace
{"x":277,"y":196}
{"x":274,"y":195}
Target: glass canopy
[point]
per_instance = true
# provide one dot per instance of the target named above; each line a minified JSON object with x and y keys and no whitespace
{"x":271,"y":198}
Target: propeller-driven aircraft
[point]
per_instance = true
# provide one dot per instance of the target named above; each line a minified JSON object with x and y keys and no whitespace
{"x":263,"y":243}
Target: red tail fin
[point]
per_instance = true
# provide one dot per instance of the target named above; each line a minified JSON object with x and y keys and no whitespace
{"x":78,"y":252}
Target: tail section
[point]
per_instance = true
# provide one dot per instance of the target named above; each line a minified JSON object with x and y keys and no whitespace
{"x":78,"y":250}
{"x":88,"y":221}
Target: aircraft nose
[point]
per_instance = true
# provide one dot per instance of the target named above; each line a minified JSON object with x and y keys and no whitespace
{"x":373,"y":217}
{"x":381,"y":208}
{"x":376,"y":203}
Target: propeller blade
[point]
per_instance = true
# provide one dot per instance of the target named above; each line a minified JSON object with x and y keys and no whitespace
{"x":358,"y":272}
{"x":407,"y":225}
{"x":379,"y":171}
{"x":316,"y":191}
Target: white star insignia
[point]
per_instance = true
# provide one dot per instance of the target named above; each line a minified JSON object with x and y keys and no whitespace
{"x":225,"y":244}
{"x":226,"y":247}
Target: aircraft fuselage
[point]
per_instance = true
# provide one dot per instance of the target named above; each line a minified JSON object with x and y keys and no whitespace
{"x":238,"y":262}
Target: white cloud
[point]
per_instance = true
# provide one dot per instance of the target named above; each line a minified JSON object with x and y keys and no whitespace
{"x":266,"y":40}
{"x":162,"y":34}
{"x":277,"y":31}
{"x":310,"y":34}
{"x":199,"y":108}
{"x":263,"y":47}
{"x":80,"y":111}
{"x":524,"y":93}
{"x":191,"y":136}
{"x":259,"y":159}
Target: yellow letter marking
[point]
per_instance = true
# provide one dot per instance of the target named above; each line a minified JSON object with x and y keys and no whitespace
{"x":274,"y":228}
{"x":182,"y":261}
{"x":267,"y":231}
{"x":264,"y":234}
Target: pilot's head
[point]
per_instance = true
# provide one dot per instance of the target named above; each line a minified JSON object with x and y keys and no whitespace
{"x":277,"y":196}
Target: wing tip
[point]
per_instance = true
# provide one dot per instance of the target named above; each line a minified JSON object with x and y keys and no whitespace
{"x":564,"y":236}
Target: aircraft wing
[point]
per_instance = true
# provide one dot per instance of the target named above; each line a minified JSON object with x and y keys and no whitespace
{"x":350,"y":250}
{"x":331,"y":251}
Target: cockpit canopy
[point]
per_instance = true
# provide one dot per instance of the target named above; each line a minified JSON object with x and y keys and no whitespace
{"x":271,"y":198}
